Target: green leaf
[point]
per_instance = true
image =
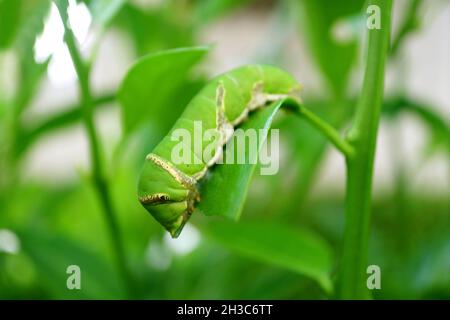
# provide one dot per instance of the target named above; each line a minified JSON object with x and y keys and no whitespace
{"x":234,"y":179}
{"x":278,"y":244}
{"x":151,"y":83}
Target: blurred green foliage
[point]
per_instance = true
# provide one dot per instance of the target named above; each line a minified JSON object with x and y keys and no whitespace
{"x":155,"y":78}
{"x":334,"y":56}
{"x":59,"y":225}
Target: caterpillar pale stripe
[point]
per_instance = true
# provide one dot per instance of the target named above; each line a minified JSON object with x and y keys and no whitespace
{"x":168,"y":191}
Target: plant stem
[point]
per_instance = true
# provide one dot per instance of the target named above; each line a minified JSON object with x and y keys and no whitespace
{"x":362,"y":135}
{"x":100,"y":181}
{"x":331,"y":133}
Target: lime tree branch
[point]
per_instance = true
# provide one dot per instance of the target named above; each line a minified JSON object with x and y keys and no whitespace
{"x":362,"y":135}
{"x":329,"y":131}
{"x":87,"y":107}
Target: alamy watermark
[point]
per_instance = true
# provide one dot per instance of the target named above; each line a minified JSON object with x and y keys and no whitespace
{"x":74,"y":279}
{"x":248,"y":146}
{"x":374,"y":18}
{"x":374,"y":279}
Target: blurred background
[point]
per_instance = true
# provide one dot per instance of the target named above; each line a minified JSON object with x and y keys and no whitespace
{"x":49,"y":212}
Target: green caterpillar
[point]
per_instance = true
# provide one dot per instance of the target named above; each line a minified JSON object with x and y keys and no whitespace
{"x":169,"y":191}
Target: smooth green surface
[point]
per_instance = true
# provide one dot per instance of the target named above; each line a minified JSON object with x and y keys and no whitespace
{"x":279,"y":244}
{"x":152,"y":80}
{"x":363,"y":137}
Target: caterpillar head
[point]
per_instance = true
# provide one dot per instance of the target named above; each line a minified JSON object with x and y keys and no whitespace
{"x":167,"y":194}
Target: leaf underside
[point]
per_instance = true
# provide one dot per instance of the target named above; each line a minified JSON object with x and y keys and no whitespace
{"x":281,"y":245}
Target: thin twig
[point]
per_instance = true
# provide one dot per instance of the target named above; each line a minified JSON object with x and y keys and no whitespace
{"x":100,"y":182}
{"x":331,"y":133}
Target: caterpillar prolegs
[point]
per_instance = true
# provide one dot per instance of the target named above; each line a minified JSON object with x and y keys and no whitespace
{"x":168,"y":190}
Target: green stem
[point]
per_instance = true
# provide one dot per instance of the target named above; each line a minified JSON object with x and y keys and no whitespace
{"x":331,"y":133}
{"x":100,"y":181}
{"x":352,"y":276}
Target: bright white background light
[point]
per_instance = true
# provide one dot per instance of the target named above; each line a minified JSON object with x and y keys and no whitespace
{"x":51,"y":43}
{"x":159,"y":254}
{"x":188,"y":240}
{"x":9,"y":242}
